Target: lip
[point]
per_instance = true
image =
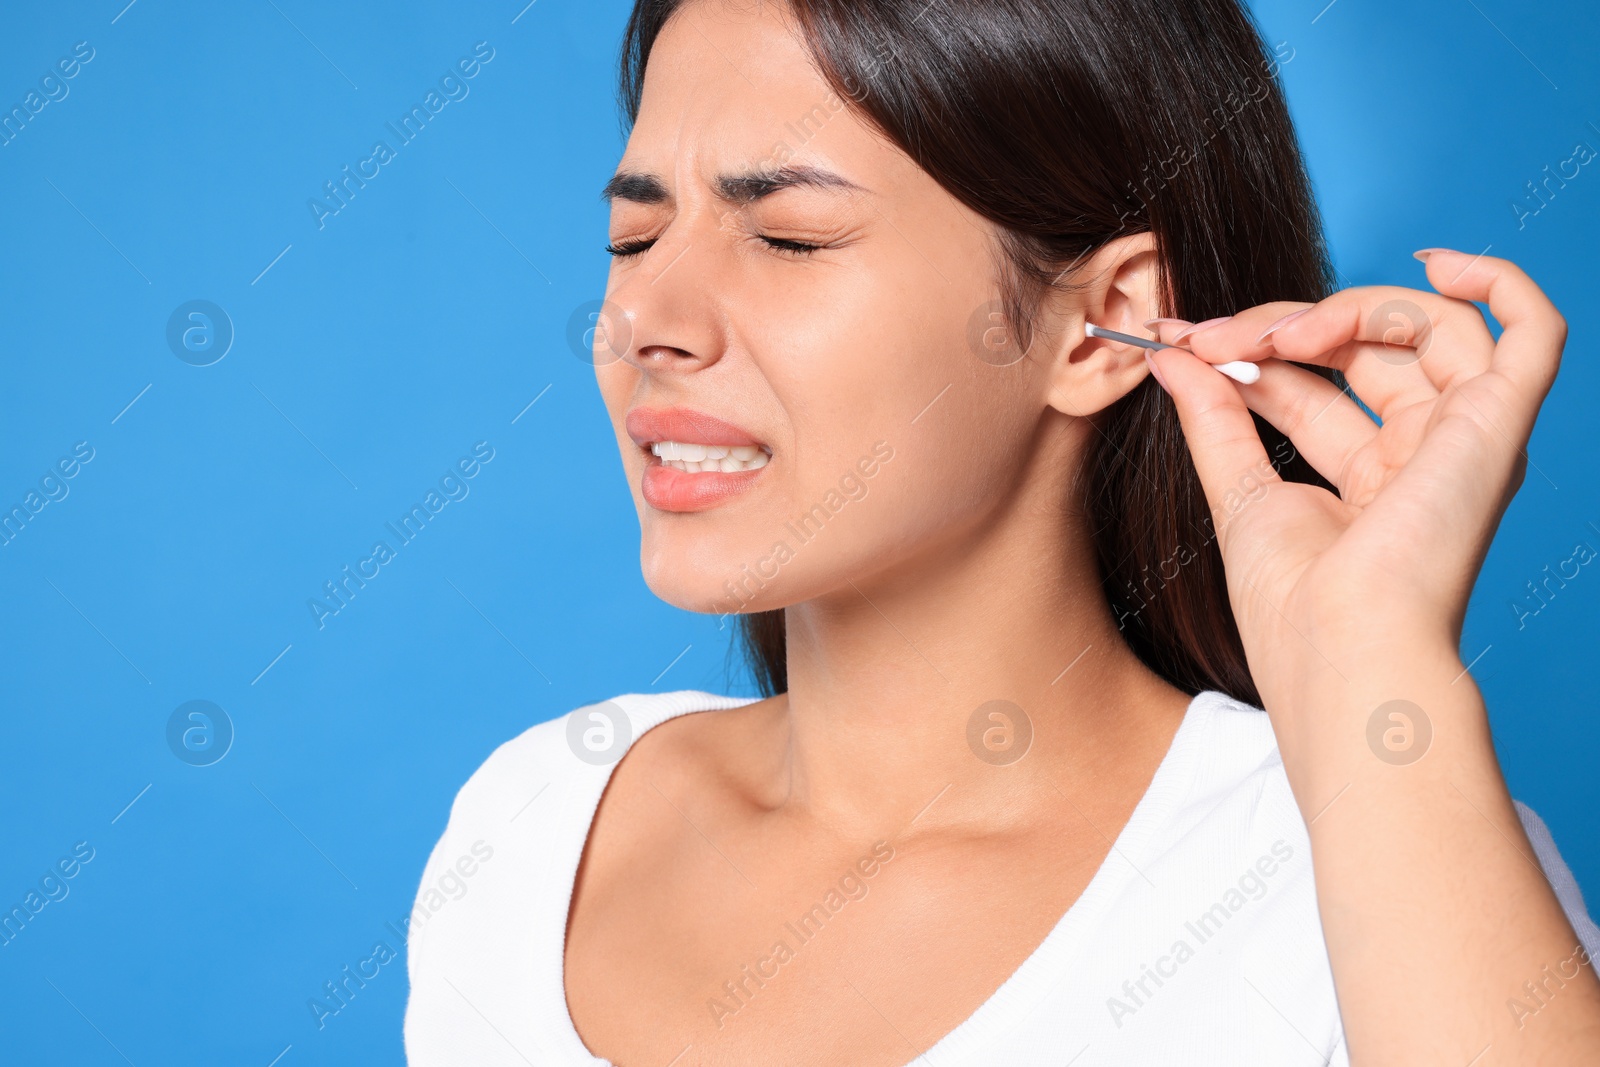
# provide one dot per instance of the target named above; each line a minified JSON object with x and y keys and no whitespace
{"x":668,"y":489}
{"x":649,"y":425}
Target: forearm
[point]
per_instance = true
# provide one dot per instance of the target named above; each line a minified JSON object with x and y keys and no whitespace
{"x":1434,"y":908}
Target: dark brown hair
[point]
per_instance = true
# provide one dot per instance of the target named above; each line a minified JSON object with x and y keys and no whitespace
{"x":1068,"y":123}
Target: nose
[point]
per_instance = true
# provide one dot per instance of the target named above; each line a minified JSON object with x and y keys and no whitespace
{"x":670,"y":316}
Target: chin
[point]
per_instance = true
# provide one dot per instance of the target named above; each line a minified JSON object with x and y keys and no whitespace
{"x":713,"y":576}
{"x":706,"y":594}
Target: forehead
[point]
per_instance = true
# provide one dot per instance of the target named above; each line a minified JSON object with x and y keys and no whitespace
{"x":731,"y":88}
{"x":716,"y":56}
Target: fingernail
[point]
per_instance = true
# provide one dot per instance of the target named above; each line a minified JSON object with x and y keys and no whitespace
{"x":1280,"y":324}
{"x":1200,"y":326}
{"x":1151,"y":324}
{"x":1155,"y":371}
{"x":1426,"y":252}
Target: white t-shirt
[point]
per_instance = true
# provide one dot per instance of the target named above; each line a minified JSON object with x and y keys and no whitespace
{"x":1196,"y":942}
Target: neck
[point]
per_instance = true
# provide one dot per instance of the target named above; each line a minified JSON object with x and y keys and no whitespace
{"x":887,"y":676}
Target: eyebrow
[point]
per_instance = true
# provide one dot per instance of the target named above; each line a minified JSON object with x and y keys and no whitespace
{"x":643,"y":188}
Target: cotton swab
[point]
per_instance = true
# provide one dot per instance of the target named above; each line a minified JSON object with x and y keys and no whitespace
{"x":1240,"y":370}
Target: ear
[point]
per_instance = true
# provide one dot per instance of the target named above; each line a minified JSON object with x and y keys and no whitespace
{"x":1118,"y":288}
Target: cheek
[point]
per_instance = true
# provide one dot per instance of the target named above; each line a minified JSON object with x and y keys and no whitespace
{"x":612,"y":382}
{"x":890,"y":361}
{"x":617,"y":382}
{"x":956,"y":445}
{"x":943,"y":433}
{"x":859,"y":354}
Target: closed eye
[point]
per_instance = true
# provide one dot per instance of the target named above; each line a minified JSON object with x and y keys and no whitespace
{"x":783,"y":244}
{"x":624,"y":249}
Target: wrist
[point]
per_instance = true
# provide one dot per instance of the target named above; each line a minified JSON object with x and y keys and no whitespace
{"x":1376,"y":712}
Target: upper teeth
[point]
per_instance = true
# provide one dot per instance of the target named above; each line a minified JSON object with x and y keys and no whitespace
{"x":695,"y":458}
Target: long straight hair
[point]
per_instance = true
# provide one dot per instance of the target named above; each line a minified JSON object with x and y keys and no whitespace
{"x":1068,"y":123}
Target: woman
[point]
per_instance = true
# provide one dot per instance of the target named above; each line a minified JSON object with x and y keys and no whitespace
{"x":1015,"y":596}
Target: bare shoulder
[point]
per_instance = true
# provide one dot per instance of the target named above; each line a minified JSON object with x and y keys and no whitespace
{"x":678,"y":772}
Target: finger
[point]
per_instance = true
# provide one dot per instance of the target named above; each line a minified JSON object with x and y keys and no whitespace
{"x":1458,"y":472}
{"x":1383,"y":380}
{"x":1177,"y":331}
{"x":1323,"y":423}
{"x":1389,"y":385}
{"x":1412,"y":339}
{"x":1216,"y":423}
{"x":1533,"y":332}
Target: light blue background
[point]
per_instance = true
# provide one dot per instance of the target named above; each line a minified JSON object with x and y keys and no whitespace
{"x":425,"y":317}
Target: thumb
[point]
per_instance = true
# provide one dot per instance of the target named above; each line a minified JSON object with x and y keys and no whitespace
{"x":1216,"y":423}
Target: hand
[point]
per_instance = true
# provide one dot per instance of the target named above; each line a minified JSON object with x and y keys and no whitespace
{"x":1390,"y":562}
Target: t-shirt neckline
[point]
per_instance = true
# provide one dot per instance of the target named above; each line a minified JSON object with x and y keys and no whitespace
{"x":1016,"y":996}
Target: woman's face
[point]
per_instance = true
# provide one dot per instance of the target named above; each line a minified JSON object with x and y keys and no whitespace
{"x":801,"y":295}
